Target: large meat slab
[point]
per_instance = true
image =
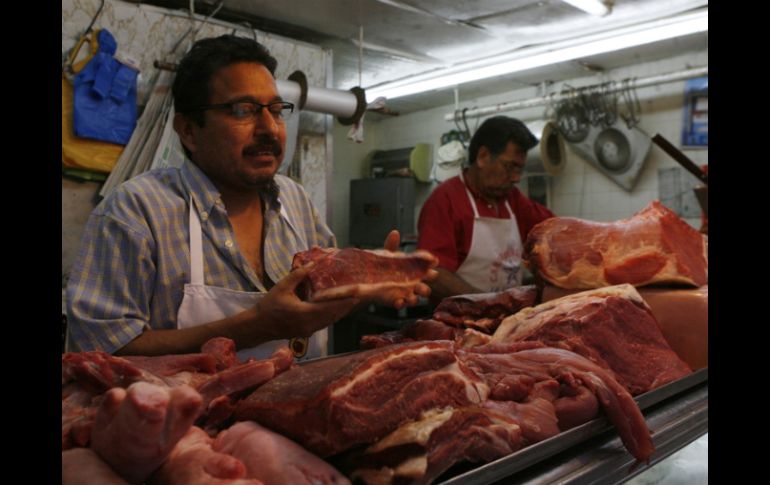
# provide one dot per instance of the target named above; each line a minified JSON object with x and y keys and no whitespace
{"x":358,"y":273}
{"x":611,"y":326}
{"x":654,"y":246}
{"x":535,"y":393}
{"x":682,"y":313}
{"x":334,"y":404}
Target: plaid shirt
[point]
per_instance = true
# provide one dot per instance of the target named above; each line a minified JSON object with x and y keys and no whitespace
{"x":134,"y":259}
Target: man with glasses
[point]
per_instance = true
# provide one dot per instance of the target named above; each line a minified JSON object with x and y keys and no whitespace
{"x":476,"y":222}
{"x":175,"y":257}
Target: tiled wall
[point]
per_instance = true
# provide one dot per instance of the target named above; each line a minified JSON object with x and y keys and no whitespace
{"x":581,"y":190}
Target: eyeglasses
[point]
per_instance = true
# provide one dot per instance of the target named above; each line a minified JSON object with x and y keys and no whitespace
{"x":248,"y":110}
{"x":512,"y":168}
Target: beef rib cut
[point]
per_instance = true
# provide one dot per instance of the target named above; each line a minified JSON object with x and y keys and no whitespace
{"x":652,"y":246}
{"x":358,"y":273}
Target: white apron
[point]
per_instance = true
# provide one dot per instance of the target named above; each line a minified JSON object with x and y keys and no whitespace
{"x":203,"y":304}
{"x":494,"y":259}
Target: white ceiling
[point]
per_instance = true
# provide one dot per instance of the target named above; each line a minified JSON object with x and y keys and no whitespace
{"x":407,"y":37}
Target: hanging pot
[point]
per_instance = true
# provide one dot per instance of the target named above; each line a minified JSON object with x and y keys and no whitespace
{"x":573,"y":121}
{"x":612,"y":150}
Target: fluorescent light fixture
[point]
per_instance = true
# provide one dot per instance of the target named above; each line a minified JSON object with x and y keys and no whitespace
{"x":544,"y":55}
{"x":594,"y":7}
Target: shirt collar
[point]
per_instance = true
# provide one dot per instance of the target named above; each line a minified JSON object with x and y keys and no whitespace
{"x":206,"y":195}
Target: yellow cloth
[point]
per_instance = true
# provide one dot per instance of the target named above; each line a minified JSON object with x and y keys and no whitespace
{"x":83,"y":153}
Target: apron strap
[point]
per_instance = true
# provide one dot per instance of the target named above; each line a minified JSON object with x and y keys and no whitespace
{"x":300,"y":236}
{"x":508,"y":206}
{"x":470,"y":196}
{"x":196,"y":246}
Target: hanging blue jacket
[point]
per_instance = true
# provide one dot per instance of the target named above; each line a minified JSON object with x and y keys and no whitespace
{"x":105,"y":96}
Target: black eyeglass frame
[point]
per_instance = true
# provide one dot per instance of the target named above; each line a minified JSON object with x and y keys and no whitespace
{"x":284,"y":105}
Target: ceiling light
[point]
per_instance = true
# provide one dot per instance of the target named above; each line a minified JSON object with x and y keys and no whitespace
{"x":594,"y":7}
{"x":544,"y":55}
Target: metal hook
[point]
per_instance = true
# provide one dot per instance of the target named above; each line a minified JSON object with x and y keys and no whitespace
{"x":83,"y":38}
{"x":631,"y":100}
{"x":192,"y":25}
{"x":465,"y":123}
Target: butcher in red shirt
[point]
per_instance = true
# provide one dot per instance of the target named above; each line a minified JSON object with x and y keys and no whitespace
{"x":468,"y":221}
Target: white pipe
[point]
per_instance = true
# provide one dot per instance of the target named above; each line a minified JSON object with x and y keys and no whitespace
{"x":322,"y":100}
{"x":612,"y":87}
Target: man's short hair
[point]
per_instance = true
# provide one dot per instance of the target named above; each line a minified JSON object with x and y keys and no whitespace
{"x":495,"y":133}
{"x":205,"y":58}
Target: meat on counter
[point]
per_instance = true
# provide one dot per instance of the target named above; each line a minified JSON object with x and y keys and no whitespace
{"x":654,"y":246}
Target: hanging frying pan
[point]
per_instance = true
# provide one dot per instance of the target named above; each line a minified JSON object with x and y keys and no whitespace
{"x":612,"y":150}
{"x":617,"y":151}
{"x":573,"y":121}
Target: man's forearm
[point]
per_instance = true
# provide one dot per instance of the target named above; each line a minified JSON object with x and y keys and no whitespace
{"x":449,"y":284}
{"x":244,"y":328}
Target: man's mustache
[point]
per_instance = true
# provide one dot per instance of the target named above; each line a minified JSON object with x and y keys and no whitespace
{"x":263,"y":144}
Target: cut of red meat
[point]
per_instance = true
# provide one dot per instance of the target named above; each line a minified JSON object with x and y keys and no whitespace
{"x":242,"y":377}
{"x":653,"y":246}
{"x":83,"y":462}
{"x":193,"y":461}
{"x":86,"y":376}
{"x":536,"y":417}
{"x":610,"y":326}
{"x":484,"y":311}
{"x":574,"y":410}
{"x":99,"y":371}
{"x":135,"y":429}
{"x":350,"y":272}
{"x":168,"y":365}
{"x":535,"y":394}
{"x":465,"y":319}
{"x":78,"y":409}
{"x":419,"y":451}
{"x":223,"y":351}
{"x":548,"y":364}
{"x":275,"y":459}
{"x":422,"y":330}
{"x":334,"y":404}
{"x":683,"y":316}
{"x":411,"y":332}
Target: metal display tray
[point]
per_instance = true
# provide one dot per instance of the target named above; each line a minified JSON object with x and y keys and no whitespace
{"x":676,"y":414}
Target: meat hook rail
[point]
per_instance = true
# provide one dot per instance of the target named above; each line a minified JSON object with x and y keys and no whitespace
{"x":613,"y":86}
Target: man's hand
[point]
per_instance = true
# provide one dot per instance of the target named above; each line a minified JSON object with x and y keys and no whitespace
{"x":401,"y":297}
{"x":392,"y":241}
{"x":280,"y":314}
{"x":288,"y":316}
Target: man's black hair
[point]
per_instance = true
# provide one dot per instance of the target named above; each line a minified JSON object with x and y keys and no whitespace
{"x":495,"y":133}
{"x":205,"y":58}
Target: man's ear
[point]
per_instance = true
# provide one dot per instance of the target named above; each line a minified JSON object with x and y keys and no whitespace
{"x":483,"y":157}
{"x":185,"y":128}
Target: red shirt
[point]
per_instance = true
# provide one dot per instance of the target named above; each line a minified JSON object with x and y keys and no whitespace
{"x":445,"y":226}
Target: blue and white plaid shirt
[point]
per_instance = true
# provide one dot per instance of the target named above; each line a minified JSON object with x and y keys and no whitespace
{"x":134,"y":259}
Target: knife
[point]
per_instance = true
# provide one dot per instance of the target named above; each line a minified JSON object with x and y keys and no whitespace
{"x":680,"y":158}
